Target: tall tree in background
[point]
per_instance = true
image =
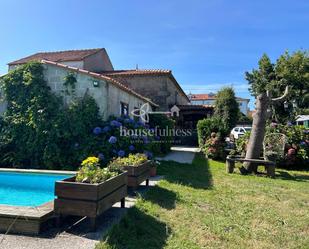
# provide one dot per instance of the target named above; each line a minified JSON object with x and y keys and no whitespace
{"x":262,"y":82}
{"x":226,"y":107}
{"x":293,"y":70}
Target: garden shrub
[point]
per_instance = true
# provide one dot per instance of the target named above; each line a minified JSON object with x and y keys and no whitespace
{"x":296,"y":154}
{"x":164,"y":142}
{"x":39,"y":131}
{"x":206,"y":126}
{"x":214,"y":147}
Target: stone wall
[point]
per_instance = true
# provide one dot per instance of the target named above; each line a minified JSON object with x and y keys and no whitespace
{"x":159,"y":88}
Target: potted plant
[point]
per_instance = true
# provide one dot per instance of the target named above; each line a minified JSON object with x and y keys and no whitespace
{"x":137,"y":166}
{"x":92,"y":191}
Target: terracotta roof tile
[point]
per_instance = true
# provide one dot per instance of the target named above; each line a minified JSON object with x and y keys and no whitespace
{"x":202,"y":96}
{"x":58,"y":56}
{"x":195,"y":107}
{"x":136,"y":72}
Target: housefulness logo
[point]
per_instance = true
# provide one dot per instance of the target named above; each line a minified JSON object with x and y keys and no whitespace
{"x":144,"y":111}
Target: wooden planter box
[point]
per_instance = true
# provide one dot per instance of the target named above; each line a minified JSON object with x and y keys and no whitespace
{"x":153,"y":170}
{"x":91,"y":200}
{"x":138,"y":174}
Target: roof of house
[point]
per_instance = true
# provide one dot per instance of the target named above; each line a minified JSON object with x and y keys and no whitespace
{"x":210,"y":96}
{"x":143,"y":72}
{"x":195,"y":107}
{"x":137,"y":72}
{"x":58,"y":56}
{"x":100,"y":77}
{"x":202,"y":96}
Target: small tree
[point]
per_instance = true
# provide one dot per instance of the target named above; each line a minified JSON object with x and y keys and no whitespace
{"x":226,"y":107}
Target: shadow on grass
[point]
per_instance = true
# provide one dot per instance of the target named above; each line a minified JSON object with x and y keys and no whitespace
{"x":284,"y":175}
{"x":136,"y":230}
{"x":162,"y":196}
{"x":195,"y":175}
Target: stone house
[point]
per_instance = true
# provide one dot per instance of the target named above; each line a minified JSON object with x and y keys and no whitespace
{"x":158,"y":85}
{"x":116,"y":92}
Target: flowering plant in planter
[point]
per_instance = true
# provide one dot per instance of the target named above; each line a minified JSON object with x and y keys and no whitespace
{"x":90,"y":171}
{"x":91,"y":192}
{"x":137,"y":165}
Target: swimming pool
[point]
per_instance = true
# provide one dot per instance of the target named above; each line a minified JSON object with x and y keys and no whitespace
{"x":27,"y":188}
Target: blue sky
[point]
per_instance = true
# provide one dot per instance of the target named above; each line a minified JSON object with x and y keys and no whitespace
{"x":208,"y":44}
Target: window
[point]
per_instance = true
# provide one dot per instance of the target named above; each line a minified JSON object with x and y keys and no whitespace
{"x":124,"y":109}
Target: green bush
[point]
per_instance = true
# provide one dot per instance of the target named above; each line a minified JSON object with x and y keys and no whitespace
{"x":296,"y":154}
{"x":214,"y":147}
{"x":206,"y":126}
{"x":164,"y":143}
{"x":39,"y":131}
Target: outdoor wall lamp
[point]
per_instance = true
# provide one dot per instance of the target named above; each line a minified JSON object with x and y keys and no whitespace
{"x":96,"y":84}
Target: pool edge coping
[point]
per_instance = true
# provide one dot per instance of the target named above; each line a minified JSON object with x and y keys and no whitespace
{"x":42,"y":171}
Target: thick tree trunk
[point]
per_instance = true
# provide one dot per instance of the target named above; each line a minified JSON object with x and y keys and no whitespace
{"x":255,"y":144}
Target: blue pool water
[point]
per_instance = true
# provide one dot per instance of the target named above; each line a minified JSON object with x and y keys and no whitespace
{"x":27,"y":189}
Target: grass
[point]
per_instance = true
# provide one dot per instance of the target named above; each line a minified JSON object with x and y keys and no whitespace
{"x":200,"y":206}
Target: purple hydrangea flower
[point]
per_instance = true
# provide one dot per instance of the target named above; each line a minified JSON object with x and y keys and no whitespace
{"x":145,"y":140}
{"x":97,"y":130}
{"x":112,"y":140}
{"x":273,"y":124}
{"x":114,"y":151}
{"x":121,"y":153}
{"x":140,"y":124}
{"x":101,"y":156}
{"x":131,"y":147}
{"x":115,"y":123}
{"x":148,"y":154}
{"x":303,"y":143}
{"x":106,"y":129}
{"x":289,"y":123}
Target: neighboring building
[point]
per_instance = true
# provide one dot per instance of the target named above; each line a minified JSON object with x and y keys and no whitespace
{"x":303,"y":120}
{"x":209,"y":99}
{"x":112,"y":97}
{"x":158,"y":85}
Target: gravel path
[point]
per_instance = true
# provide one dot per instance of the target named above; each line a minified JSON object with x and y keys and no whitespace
{"x":73,"y":236}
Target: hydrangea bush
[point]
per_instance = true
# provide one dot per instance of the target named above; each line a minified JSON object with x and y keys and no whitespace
{"x":39,"y":131}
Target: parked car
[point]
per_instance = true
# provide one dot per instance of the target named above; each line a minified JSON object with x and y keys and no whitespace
{"x":237,"y":132}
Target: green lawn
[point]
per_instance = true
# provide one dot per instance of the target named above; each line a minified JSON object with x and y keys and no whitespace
{"x":200,"y":206}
